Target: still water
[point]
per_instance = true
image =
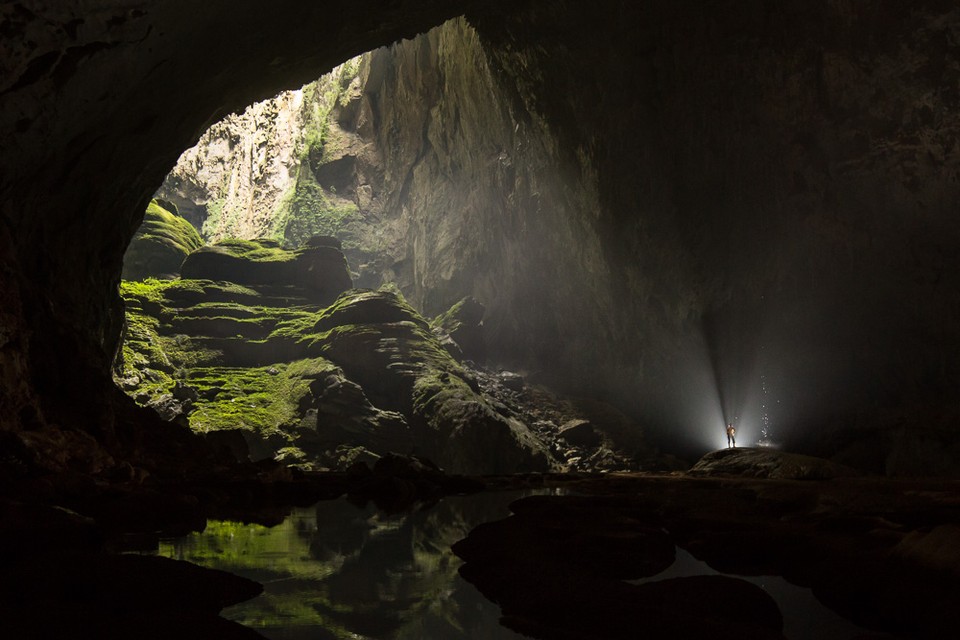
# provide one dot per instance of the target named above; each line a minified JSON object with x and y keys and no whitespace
{"x":335,"y":570}
{"x":804,"y":617}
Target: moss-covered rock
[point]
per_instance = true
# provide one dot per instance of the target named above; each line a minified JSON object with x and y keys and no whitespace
{"x":300,"y":381}
{"x":161,"y":243}
{"x":463,"y":323}
{"x":388,"y":348}
{"x":320,"y":269}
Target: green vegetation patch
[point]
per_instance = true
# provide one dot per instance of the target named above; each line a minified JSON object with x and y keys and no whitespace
{"x":169,"y":229}
{"x":190,"y":292}
{"x":264,"y":400}
{"x":262,"y":250}
{"x":160,"y":245}
{"x":307,"y":210}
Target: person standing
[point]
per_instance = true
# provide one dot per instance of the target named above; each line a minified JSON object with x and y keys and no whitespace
{"x":731,"y":436}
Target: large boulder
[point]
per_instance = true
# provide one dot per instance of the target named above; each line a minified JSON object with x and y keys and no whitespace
{"x":161,"y":243}
{"x":320,"y":270}
{"x":388,"y":348}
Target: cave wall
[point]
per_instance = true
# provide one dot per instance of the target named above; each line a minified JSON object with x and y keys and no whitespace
{"x":723,"y":191}
{"x":779,"y":186}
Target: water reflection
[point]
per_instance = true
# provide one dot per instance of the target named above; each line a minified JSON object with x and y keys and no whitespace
{"x":804,"y":617}
{"x":335,"y":570}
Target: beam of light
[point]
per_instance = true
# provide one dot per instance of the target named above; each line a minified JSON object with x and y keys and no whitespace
{"x":709,"y":411}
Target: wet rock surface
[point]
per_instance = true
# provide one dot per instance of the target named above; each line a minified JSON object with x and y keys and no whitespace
{"x":877,"y":552}
{"x":769,"y":463}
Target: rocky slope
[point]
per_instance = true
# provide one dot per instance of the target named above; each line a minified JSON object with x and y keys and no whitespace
{"x":272,"y":352}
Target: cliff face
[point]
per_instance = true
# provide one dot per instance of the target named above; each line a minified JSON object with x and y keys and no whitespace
{"x":451,"y":187}
{"x":680,"y":206}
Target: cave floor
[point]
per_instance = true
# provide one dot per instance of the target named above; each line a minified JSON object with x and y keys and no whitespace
{"x":885,"y":554}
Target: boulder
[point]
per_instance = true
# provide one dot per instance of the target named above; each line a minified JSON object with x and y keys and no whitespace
{"x":382,"y":344}
{"x":161,"y":243}
{"x":559,"y":568}
{"x":579,"y":433}
{"x":320,"y":270}
{"x":323,"y":241}
{"x":463,"y":322}
{"x":511,"y":380}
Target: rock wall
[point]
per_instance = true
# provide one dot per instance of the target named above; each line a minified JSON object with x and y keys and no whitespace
{"x":778,"y":188}
{"x":459,"y":189}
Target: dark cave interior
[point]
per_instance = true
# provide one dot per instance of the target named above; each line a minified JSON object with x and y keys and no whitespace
{"x":696,"y":214}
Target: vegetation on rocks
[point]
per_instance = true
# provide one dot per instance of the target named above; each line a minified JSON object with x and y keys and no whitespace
{"x":161,"y":243}
{"x":272,"y":345}
{"x":309,"y":384}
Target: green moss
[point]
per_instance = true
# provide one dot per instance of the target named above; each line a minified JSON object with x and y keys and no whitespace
{"x":435,"y":388}
{"x":262,"y":250}
{"x":252,"y":399}
{"x":144,"y":293}
{"x":187,"y":292}
{"x":264,"y":400}
{"x":307,"y":210}
{"x":160,"y":245}
{"x":183,"y":352}
{"x":143,"y":369}
{"x":169,"y":228}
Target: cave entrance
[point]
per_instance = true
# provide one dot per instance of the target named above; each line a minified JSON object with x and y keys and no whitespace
{"x":305,"y":284}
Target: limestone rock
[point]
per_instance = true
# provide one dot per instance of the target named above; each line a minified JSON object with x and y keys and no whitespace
{"x":300,"y":380}
{"x":161,"y":243}
{"x":463,"y":322}
{"x":387,"y":348}
{"x":768,"y":463}
{"x":320,"y":270}
{"x":580,"y":433}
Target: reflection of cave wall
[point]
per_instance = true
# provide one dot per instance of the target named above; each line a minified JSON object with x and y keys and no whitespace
{"x":788,"y":171}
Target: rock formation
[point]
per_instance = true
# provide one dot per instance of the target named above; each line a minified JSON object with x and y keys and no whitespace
{"x":270,"y":343}
{"x":161,"y":244}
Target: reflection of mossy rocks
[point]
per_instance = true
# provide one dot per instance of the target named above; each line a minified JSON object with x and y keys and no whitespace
{"x":161,"y":243}
{"x":463,"y":322}
{"x":320,"y":270}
